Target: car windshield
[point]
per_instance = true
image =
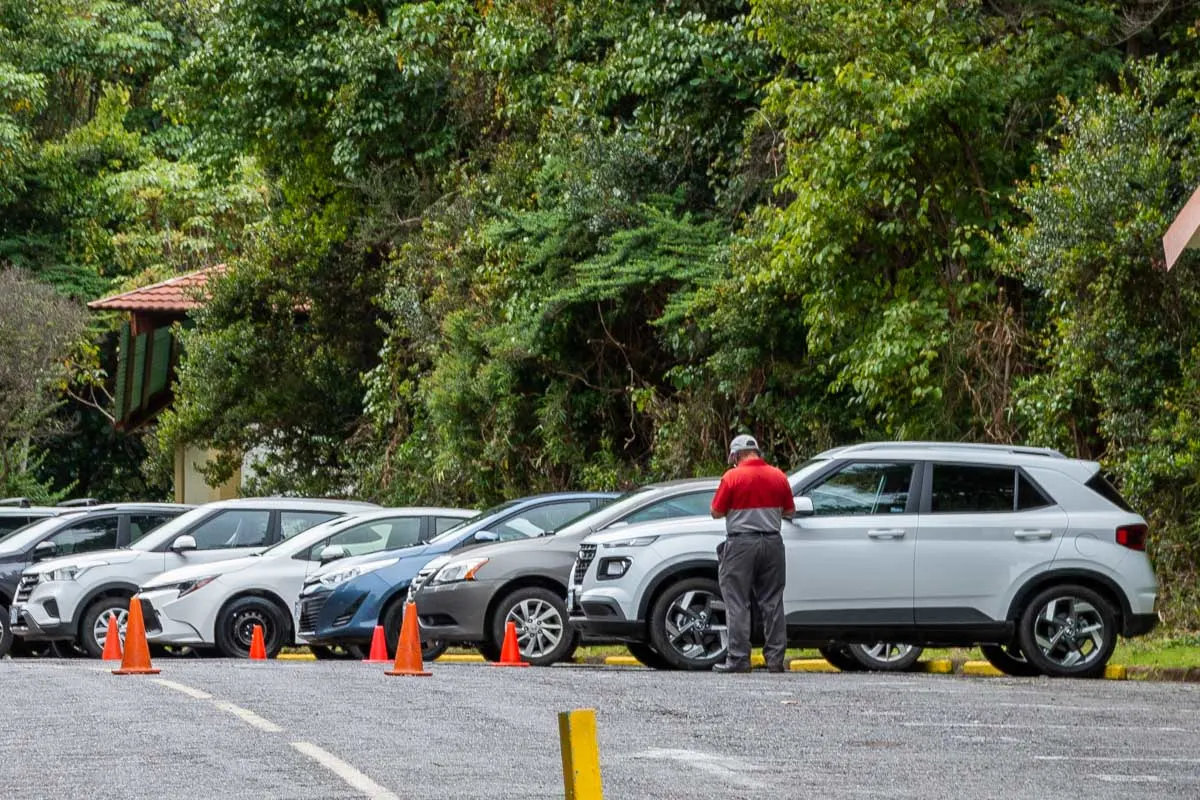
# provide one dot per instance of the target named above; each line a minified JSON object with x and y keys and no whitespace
{"x":309,"y":536}
{"x":21,"y":538}
{"x":599,"y":517}
{"x":170,"y":528}
{"x":450,"y":533}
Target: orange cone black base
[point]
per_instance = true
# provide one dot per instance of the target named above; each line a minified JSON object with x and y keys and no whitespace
{"x":408,"y":649}
{"x":136,"y":658}
{"x":258,"y":648}
{"x":112,"y":641}
{"x":378,"y":654}
{"x":510,"y":653}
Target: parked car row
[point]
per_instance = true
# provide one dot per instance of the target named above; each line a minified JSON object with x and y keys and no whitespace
{"x":895,"y":547}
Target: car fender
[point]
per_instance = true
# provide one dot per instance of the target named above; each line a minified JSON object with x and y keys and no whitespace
{"x":1086,"y":573}
{"x":691,"y":563}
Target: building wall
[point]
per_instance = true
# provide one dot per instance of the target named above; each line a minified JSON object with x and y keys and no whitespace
{"x":190,"y":485}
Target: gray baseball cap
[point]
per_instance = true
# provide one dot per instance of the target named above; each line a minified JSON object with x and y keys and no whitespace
{"x":740,"y":444}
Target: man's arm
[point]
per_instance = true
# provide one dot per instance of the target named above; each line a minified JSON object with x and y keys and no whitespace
{"x":787,"y":502}
{"x":721,"y":502}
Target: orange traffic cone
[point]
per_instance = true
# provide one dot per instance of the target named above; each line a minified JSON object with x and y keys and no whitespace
{"x":408,"y":649}
{"x":258,"y":648}
{"x":136,"y":658}
{"x":378,"y":654}
{"x":510,"y":653}
{"x":112,"y":641}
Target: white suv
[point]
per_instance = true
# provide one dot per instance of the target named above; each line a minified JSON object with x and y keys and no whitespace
{"x":1028,"y":553}
{"x":71,"y":599}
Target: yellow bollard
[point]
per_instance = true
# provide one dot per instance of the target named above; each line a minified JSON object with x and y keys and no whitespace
{"x":580,"y":754}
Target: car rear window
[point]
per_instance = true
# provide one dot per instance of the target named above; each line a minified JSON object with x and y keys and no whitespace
{"x":1100,"y":485}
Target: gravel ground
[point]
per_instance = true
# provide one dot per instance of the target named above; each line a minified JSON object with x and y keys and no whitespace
{"x":343,"y":729}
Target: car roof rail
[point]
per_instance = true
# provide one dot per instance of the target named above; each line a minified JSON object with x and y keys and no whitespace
{"x":83,"y":501}
{"x":1049,"y":452}
{"x":19,"y":502}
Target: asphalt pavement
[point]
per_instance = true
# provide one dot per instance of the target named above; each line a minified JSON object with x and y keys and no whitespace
{"x":220,"y":729}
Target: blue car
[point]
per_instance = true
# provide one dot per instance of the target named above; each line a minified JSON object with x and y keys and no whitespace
{"x":341,"y":604}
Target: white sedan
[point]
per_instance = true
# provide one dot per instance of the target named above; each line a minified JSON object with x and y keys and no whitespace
{"x":218,"y":604}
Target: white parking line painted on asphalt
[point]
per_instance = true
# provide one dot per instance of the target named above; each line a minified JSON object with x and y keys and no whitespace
{"x":1036,"y":726}
{"x":179,"y":687}
{"x":1128,"y":778}
{"x":248,"y":716}
{"x":352,"y":777}
{"x":730,"y":770}
{"x":1122,"y":759}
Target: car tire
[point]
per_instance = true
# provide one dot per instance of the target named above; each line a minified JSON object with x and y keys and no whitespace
{"x":1010,"y":660}
{"x":235,"y":627}
{"x":1068,"y":631}
{"x":393,"y":619}
{"x":838,"y":655}
{"x":705,"y":643}
{"x":93,"y":627}
{"x":647,"y":656}
{"x":6,"y":634}
{"x":885,"y":656}
{"x":544,"y":631}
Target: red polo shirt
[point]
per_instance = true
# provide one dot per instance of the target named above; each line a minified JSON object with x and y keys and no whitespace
{"x":753,"y":496}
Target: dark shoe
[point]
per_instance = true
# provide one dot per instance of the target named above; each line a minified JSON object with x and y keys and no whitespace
{"x":776,"y":668}
{"x":727,"y":667}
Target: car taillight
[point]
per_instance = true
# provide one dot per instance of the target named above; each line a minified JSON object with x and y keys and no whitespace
{"x":1132,"y":536}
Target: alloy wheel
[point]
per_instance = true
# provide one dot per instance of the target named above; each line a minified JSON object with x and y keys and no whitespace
{"x":539,"y":627}
{"x":887,"y":652}
{"x":100,"y":628}
{"x":1069,"y":631}
{"x":695,"y":625}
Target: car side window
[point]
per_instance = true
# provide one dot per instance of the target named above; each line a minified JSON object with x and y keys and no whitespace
{"x":1029,"y":496}
{"x":970,"y":488}
{"x":536,"y":521}
{"x":688,"y":505}
{"x":293,"y":522}
{"x":10,"y":524}
{"x":233,"y":528}
{"x":443,"y":524}
{"x":141,"y":524}
{"x":86,"y":536}
{"x":863,"y":488}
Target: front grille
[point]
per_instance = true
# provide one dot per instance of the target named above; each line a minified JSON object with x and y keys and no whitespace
{"x":150,"y":617}
{"x":422,"y":578}
{"x":26,"y":586}
{"x":310,"y":610}
{"x":587,"y":552}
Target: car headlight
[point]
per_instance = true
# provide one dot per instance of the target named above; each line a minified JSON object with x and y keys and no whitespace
{"x":341,"y":576}
{"x":184,"y":587}
{"x":459,"y":571}
{"x":637,"y":541}
{"x":68,"y":573}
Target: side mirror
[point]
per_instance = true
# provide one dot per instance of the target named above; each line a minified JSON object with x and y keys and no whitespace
{"x":332,"y":553}
{"x":44,"y":550}
{"x":184,"y":543}
{"x":804,"y":507}
{"x":486,"y":536}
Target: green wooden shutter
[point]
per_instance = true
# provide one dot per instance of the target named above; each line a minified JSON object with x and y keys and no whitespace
{"x":139,"y":371}
{"x":160,"y":361}
{"x":119,"y":393}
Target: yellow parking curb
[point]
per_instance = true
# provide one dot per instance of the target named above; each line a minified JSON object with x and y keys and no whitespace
{"x":296,"y":657}
{"x":621,"y":661}
{"x":981,"y":669}
{"x":1116,"y":672}
{"x":936,"y":666}
{"x":460,"y":658}
{"x":811,"y":665}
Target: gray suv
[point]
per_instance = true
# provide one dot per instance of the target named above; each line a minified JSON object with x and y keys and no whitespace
{"x":469,"y":597}
{"x":1031,"y":554}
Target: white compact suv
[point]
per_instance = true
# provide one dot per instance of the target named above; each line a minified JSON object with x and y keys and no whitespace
{"x":219,"y":605}
{"x":1032,"y":555}
{"x":71,"y":599}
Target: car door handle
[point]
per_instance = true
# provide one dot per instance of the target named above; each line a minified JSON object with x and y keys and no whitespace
{"x":1033,"y":534}
{"x":886,"y":533}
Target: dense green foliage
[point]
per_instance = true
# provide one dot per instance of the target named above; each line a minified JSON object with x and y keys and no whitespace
{"x":486,"y":248}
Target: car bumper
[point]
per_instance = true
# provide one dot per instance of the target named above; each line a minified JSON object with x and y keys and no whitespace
{"x":1140,"y":624}
{"x":43,"y":615}
{"x":345,"y":614}
{"x":164,"y":622}
{"x":455,"y":612}
{"x":622,"y":630}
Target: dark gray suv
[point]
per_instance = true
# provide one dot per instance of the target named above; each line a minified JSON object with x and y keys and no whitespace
{"x":469,"y":597}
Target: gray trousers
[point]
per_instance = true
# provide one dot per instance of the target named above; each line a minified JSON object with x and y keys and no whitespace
{"x":754,"y":566}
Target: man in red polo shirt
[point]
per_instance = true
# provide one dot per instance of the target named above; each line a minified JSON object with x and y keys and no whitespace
{"x":754,"y":498}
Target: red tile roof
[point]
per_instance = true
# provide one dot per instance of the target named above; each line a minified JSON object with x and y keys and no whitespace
{"x":176,"y":295}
